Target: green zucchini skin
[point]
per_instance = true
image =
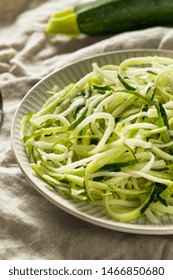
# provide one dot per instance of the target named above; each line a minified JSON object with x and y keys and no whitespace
{"x":115,"y":16}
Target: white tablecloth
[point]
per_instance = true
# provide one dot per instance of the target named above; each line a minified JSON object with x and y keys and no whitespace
{"x":30,"y":226}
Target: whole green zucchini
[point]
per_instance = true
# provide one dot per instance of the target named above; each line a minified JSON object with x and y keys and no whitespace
{"x":111,"y":16}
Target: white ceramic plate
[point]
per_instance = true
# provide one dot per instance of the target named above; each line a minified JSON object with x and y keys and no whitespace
{"x":33,"y":102}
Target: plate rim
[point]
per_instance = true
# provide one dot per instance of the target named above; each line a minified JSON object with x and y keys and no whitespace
{"x":109,"y":224}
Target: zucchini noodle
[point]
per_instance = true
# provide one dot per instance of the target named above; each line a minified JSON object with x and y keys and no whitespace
{"x":108,"y":139}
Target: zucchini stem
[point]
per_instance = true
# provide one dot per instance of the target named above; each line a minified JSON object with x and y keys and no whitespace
{"x":64,"y":22}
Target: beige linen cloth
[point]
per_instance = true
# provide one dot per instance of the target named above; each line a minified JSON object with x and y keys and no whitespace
{"x":30,"y":226}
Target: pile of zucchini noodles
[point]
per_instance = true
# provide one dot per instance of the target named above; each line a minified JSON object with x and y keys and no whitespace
{"x":108,"y":138}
